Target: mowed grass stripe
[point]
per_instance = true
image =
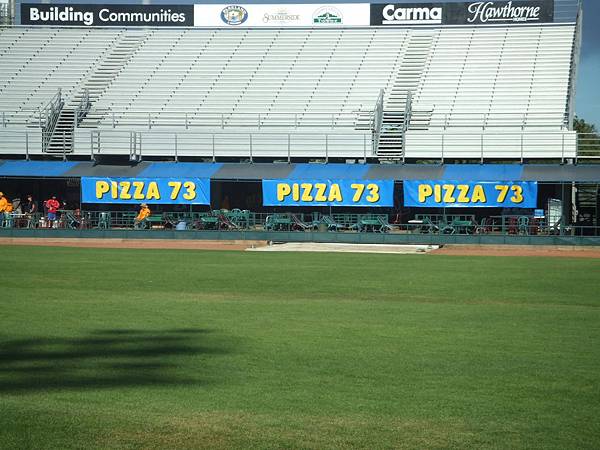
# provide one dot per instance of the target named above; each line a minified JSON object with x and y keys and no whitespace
{"x":154,"y":349}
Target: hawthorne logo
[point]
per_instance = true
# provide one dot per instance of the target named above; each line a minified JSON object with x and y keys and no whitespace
{"x":393,"y":15}
{"x":483,"y":12}
{"x":327,"y":15}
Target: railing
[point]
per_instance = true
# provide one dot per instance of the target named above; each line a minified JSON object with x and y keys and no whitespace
{"x":6,"y":17}
{"x":48,"y":116}
{"x":305,"y":223}
{"x":483,"y":121}
{"x":588,"y":146}
{"x":83,"y":108}
{"x":407,"y":117}
{"x":422,"y":145}
{"x":491,"y":145}
{"x":377,"y":121}
{"x":140,"y":144}
{"x":148,"y":119}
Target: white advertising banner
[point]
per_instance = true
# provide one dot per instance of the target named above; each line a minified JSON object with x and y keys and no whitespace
{"x":282,"y":15}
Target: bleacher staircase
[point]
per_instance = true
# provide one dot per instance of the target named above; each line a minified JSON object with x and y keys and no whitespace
{"x":588,"y":203}
{"x":91,"y":89}
{"x":397,"y":107}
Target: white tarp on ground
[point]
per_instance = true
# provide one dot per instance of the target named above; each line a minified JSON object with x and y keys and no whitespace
{"x":346,"y":248}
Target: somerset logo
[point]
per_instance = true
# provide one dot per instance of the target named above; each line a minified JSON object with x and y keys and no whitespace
{"x":327,"y":15}
{"x":411,"y":16}
{"x":483,"y":12}
{"x":281,"y":16}
{"x":234,"y":15}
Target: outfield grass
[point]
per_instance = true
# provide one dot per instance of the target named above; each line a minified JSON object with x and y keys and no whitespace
{"x":189,"y":349}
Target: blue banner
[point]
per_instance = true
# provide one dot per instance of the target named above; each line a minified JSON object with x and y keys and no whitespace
{"x":168,"y":191}
{"x":287,"y":192}
{"x":470,"y":194}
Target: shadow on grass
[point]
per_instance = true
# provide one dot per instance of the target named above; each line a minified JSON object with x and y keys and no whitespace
{"x":110,"y":358}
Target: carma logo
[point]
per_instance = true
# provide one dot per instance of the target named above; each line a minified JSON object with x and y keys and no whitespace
{"x":234,"y":15}
{"x":327,"y":15}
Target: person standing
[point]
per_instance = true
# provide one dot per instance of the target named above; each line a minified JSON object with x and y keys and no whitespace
{"x":52,"y":206}
{"x":140,"y":220}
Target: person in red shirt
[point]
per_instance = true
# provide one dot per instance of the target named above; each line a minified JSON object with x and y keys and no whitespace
{"x":52,"y":206}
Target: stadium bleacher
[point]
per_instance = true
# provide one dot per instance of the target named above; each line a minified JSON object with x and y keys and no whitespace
{"x":375,"y":92}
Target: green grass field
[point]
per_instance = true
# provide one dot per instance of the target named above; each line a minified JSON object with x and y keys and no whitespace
{"x":189,"y":349}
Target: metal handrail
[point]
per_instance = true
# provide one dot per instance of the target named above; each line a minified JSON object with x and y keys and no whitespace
{"x":50,"y":114}
{"x":320,"y":145}
{"x":377,"y":121}
{"x":481,"y":120}
{"x":193,"y":118}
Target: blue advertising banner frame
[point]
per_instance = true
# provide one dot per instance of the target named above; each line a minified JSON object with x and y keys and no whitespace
{"x":470,"y":194}
{"x":328,"y":192}
{"x":166,"y":191}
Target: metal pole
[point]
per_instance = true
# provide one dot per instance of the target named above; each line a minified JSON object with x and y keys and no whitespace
{"x":562,"y":160}
{"x":113,"y":118}
{"x":289,"y":148}
{"x":176,"y":156}
{"x":259,"y":121}
{"x":481,"y":148}
{"x":27,"y":145}
{"x":64,"y":146}
{"x":443,"y":148}
{"x":222,"y":121}
{"x":149,"y":122}
{"x":186,"y":121}
{"x":3,"y":119}
{"x":364,"y":148}
{"x":250,"y":147}
{"x":522,"y":136}
{"x":213,"y":148}
{"x":326,"y":148}
{"x":92,"y":145}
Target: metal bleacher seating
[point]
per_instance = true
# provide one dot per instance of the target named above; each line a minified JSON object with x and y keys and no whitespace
{"x":498,"y":91}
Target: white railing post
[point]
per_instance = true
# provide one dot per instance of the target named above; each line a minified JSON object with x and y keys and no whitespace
{"x":562,"y":159}
{"x":443,"y":147}
{"x":481,"y":148}
{"x":186,"y":121}
{"x":149,"y":122}
{"x":214,"y":159}
{"x":27,"y":145}
{"x":522,"y":138}
{"x":289,"y":148}
{"x":326,"y":148}
{"x":113,"y":118}
{"x":176,"y":156}
{"x":250,"y":147}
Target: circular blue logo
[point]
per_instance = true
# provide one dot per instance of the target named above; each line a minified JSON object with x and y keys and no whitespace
{"x":234,"y":15}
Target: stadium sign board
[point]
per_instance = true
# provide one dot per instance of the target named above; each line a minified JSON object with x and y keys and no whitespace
{"x":471,"y":194}
{"x":233,"y":15}
{"x":113,"y":15}
{"x":463,"y":13}
{"x":283,"y":15}
{"x":324,"y":192}
{"x":167,"y":191}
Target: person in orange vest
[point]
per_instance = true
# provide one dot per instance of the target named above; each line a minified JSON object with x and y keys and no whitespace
{"x":6,"y":207}
{"x":3,"y":202}
{"x":144,"y":213}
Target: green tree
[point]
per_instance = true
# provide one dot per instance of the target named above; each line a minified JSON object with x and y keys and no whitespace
{"x":589,"y":140}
